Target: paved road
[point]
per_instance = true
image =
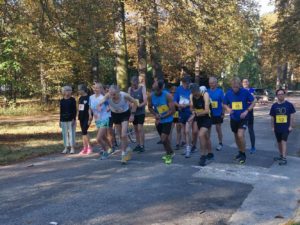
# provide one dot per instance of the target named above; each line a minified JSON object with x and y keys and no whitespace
{"x":73,"y":190}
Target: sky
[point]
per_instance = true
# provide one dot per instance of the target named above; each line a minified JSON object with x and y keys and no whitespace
{"x":266,"y":7}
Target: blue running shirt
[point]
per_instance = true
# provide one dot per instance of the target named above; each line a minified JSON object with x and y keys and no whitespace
{"x":216,"y":97}
{"x":238,"y":102}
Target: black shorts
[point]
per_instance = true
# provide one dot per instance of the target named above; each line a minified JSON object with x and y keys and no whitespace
{"x":236,"y":125}
{"x":139,"y":119}
{"x":118,"y":118}
{"x":84,"y":125}
{"x":175,"y":120}
{"x":282,"y":136}
{"x":203,"y":121}
{"x":164,"y":128}
{"x":110,"y":123}
{"x":216,"y":120}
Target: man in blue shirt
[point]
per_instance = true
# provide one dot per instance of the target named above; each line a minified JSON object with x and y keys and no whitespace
{"x":250,"y":118}
{"x":217,"y":113}
{"x":182,"y":102}
{"x":283,"y":120}
{"x":161,"y":105}
{"x":236,"y":103}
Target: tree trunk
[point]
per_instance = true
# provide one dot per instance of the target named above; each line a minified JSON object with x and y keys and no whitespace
{"x":95,"y":66}
{"x":142,"y":49}
{"x":120,"y":46}
{"x":44,"y":96}
{"x":197,"y":62}
{"x":155,"y":55}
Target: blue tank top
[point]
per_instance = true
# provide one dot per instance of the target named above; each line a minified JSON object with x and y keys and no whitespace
{"x":160,"y":104}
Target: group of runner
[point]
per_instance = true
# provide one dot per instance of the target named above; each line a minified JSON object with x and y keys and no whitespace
{"x":190,"y":109}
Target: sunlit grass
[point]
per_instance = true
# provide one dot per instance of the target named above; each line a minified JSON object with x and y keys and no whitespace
{"x":22,"y":138}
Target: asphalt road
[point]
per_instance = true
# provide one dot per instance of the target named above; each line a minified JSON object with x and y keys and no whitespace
{"x":73,"y":190}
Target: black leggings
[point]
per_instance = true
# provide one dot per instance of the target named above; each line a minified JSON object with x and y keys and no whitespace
{"x":252,"y":135}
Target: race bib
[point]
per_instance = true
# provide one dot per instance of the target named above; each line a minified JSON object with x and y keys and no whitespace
{"x":237,"y":105}
{"x":199,"y":110}
{"x":162,"y":109}
{"x":281,"y":118}
{"x":214,"y":104}
{"x":81,"y":107}
{"x":176,"y":114}
{"x":183,"y":101}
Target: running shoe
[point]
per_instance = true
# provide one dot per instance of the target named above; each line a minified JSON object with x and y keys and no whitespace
{"x":137,"y":148}
{"x":202,"y":161}
{"x":83,"y":151}
{"x":278,"y":158}
{"x":110,"y":151}
{"x":123,"y":158}
{"x":194,"y":149}
{"x":128,"y":153}
{"x":177,"y":147}
{"x":104,"y":155}
{"x":252,"y":150}
{"x":142,"y":148}
{"x":164,"y":157}
{"x":168,"y":159}
{"x":238,"y":156}
{"x":242,"y":159}
{"x":282,"y":162}
{"x":188,"y":152}
{"x":210,"y":156}
{"x":89,"y":150}
{"x":65,"y":151}
{"x":219,"y":147}
{"x":72,"y":151}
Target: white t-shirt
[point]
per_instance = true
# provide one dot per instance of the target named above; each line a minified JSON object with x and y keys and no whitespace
{"x":102,"y":113}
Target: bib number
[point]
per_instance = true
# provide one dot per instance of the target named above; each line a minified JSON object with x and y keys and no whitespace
{"x":176,"y":114}
{"x":214,"y":104}
{"x":281,"y":118}
{"x":81,"y":107}
{"x":237,"y":105}
{"x":199,"y":110}
{"x":162,"y":109}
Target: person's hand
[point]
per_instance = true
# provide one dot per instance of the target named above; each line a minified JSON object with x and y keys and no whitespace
{"x":244,"y":114}
{"x":191,"y":118}
{"x":73,"y":123}
{"x":131,"y":118}
{"x":230,"y":111}
{"x":290,"y":128}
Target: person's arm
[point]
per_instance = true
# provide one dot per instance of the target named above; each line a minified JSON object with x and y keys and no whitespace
{"x":144,"y":103}
{"x":222,"y":99}
{"x":272,"y":123}
{"x":250,"y":108}
{"x":206,"y":105}
{"x":150,"y":108}
{"x":104,"y":99}
{"x":176,"y":99}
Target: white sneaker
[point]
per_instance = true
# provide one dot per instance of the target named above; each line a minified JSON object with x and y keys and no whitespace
{"x":188,"y":151}
{"x":219,"y":147}
{"x":72,"y":151}
{"x":65,"y":151}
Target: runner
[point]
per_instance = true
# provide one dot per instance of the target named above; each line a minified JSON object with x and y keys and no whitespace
{"x":176,"y":123}
{"x":283,"y":120}
{"x":201,"y":115}
{"x":120,"y":112}
{"x":236,"y":102}
{"x":250,"y":118}
{"x":68,"y":119}
{"x":216,"y":96}
{"x":182,"y":101}
{"x":138,"y":92}
{"x":161,"y":105}
{"x":101,"y":116}
{"x":83,"y":117}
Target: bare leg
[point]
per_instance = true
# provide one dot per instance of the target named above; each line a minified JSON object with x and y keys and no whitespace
{"x":166,"y":142}
{"x":137,"y":134}
{"x":124,"y":138}
{"x":203,"y":134}
{"x":219,"y":132}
